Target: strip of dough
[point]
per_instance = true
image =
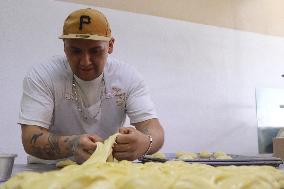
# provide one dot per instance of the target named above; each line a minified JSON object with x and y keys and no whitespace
{"x":103,"y":152}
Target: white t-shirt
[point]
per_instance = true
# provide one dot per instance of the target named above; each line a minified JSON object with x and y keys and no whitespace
{"x":90,"y":91}
{"x":50,"y":100}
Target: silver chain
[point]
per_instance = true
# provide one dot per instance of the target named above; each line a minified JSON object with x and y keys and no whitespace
{"x":78,"y":99}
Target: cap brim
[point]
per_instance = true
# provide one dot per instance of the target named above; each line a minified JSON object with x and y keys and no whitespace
{"x":85,"y":36}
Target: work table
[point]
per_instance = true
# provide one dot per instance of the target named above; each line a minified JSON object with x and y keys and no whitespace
{"x":32,"y":167}
{"x":18,"y":168}
{"x":44,"y":167}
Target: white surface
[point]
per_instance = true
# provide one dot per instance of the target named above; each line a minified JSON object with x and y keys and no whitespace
{"x":202,"y":78}
{"x":270,"y":111}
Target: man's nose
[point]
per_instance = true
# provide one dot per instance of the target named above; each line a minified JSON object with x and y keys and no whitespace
{"x":85,"y":59}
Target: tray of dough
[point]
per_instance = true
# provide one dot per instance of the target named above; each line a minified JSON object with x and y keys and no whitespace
{"x":213,"y":159}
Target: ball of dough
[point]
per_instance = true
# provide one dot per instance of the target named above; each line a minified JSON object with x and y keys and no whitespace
{"x":192,"y":154}
{"x":185,"y":157}
{"x":179,"y":153}
{"x":159,"y":155}
{"x":218,"y":154}
{"x":205,"y":154}
{"x":224,"y":157}
{"x":65,"y":163}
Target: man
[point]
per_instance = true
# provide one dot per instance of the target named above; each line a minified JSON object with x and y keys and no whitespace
{"x":72,"y":102}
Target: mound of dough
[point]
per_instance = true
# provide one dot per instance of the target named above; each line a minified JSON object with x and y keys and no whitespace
{"x":65,"y":163}
{"x":97,"y":173}
{"x":221,"y":155}
{"x":224,"y":157}
{"x":186,"y":155}
{"x":205,"y":154}
{"x":159,"y":155}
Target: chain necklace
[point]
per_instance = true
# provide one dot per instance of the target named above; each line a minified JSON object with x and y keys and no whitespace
{"x":79,"y":101}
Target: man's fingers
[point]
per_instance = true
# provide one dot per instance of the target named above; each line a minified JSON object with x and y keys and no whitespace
{"x":122,"y":148}
{"x":120,"y":139}
{"x":81,"y":156}
{"x":124,"y":139}
{"x":126,"y":135}
{"x":87,"y":144}
{"x":126,"y":130}
{"x":123,"y":130}
{"x":123,"y":156}
{"x":86,"y":147}
{"x":90,"y":146}
{"x":95,"y":138}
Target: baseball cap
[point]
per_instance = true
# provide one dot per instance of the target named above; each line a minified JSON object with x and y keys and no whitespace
{"x":86,"y":24}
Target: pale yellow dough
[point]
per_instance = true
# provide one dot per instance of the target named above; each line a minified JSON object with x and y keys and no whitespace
{"x":224,"y":157}
{"x":97,"y":173}
{"x":65,"y":163}
{"x":221,"y":155}
{"x":159,"y":155}
{"x":181,"y":155}
{"x":185,"y":157}
{"x":102,"y":154}
{"x":218,"y":154}
{"x":205,"y":154}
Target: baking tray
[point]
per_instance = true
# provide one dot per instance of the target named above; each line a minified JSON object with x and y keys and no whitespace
{"x":237,"y":160}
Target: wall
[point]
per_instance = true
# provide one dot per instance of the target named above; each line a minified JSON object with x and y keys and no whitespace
{"x":262,"y":16}
{"x":202,"y":78}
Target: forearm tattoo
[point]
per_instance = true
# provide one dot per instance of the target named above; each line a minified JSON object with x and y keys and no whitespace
{"x":35,"y":137}
{"x":145,"y":130}
{"x":36,"y":150}
{"x":53,"y":141}
{"x":72,"y":143}
{"x":51,"y":150}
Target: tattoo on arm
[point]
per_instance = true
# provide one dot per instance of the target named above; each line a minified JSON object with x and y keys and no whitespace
{"x":35,"y":137}
{"x":66,"y":140}
{"x":37,"y":151}
{"x":73,"y":143}
{"x":53,"y":141}
{"x":49,"y":150}
{"x":145,"y":130}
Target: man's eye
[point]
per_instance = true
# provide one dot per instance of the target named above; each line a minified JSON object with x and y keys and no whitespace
{"x":76,"y":51}
{"x":95,"y":51}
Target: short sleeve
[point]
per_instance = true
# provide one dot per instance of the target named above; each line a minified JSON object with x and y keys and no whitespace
{"x":37,"y":101}
{"x":139,"y":106}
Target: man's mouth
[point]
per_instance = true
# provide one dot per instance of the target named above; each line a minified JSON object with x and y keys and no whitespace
{"x":86,"y":69}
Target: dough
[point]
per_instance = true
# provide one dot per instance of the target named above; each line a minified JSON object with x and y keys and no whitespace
{"x":185,"y":157}
{"x":65,"y":163}
{"x":205,"y":154}
{"x":159,"y":155}
{"x":103,"y":171}
{"x":224,"y":157}
{"x":193,"y":155}
{"x":218,"y":154}
{"x":103,"y":152}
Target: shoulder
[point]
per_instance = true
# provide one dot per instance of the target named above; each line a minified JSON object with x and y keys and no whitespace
{"x":53,"y":67}
{"x":121,"y":70}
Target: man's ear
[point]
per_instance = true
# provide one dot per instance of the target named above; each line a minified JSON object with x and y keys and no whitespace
{"x":110,"y":45}
{"x":64,"y":45}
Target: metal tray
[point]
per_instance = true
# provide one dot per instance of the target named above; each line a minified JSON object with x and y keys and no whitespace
{"x":237,"y":160}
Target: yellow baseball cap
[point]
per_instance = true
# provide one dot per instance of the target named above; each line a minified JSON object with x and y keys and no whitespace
{"x":86,"y":24}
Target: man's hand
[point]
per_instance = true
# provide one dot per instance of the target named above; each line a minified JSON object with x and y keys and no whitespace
{"x":131,"y":144}
{"x":40,"y":143}
{"x":83,"y":146}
